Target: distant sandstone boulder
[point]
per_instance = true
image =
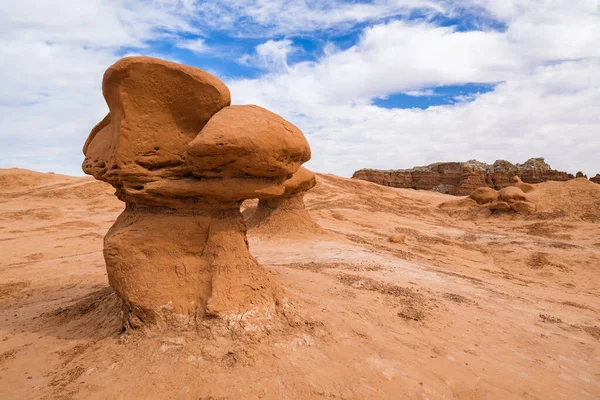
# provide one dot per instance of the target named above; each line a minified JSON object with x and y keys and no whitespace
{"x":510,"y":198}
{"x":511,"y":194}
{"x":462,"y":178}
{"x":484,"y":195}
{"x":595,"y":179}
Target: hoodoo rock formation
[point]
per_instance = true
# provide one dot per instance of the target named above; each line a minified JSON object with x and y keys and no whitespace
{"x":183,"y":160}
{"x":506,"y":199}
{"x":461,"y":178}
{"x":286,"y":213}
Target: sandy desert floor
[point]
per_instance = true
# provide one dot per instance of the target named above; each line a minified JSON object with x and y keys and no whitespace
{"x":472,"y":306}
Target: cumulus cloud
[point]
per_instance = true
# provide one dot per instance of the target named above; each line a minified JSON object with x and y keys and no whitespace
{"x":271,"y":55}
{"x":543,"y":62}
{"x":194,"y":45}
{"x":53,"y":57}
{"x":545,"y":105}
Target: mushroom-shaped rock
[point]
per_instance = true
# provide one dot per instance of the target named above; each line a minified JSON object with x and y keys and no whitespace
{"x":523,"y":207}
{"x":525,"y":187}
{"x":286,"y":214}
{"x":179,"y":252}
{"x":156,"y":108}
{"x":512,"y":194}
{"x":499,"y":206}
{"x":484,"y":195}
{"x":248,"y":142}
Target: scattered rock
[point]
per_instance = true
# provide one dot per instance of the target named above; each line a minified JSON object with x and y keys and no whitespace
{"x":398,"y":238}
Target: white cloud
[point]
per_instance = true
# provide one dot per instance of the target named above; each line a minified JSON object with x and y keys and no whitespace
{"x":544,"y":107}
{"x":546,"y":60}
{"x":271,"y":55}
{"x":390,"y":58}
{"x":194,"y":45}
{"x":260,"y":18}
{"x":520,"y":119}
{"x":425,"y":92}
{"x":53,"y":57}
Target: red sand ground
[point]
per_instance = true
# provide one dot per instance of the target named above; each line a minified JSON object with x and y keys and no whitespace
{"x":471,"y":306}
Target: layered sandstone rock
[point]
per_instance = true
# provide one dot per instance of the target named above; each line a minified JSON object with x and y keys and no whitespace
{"x":286,"y":214}
{"x":595,"y":179}
{"x":183,"y":161}
{"x":462,"y":178}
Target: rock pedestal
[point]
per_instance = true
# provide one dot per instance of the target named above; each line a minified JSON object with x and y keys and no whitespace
{"x":286,"y":214}
{"x":183,"y":161}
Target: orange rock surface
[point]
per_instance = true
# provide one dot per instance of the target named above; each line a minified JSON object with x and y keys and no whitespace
{"x":183,"y":161}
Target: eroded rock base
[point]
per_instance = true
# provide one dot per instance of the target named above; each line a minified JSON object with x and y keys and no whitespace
{"x":174,"y":268}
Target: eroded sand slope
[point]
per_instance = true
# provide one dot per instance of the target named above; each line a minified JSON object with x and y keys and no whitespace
{"x":472,"y":306}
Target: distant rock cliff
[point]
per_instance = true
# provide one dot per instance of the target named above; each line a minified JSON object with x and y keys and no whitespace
{"x":461,"y":178}
{"x":595,"y":179}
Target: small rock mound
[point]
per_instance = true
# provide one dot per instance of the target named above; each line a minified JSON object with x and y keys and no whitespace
{"x":511,"y":194}
{"x":398,"y":238}
{"x":506,"y":199}
{"x":484,"y":195}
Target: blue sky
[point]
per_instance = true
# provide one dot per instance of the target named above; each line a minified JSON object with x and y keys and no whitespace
{"x":379,"y":84}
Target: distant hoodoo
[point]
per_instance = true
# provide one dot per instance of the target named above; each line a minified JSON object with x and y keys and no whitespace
{"x":510,"y":198}
{"x":183,"y":160}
